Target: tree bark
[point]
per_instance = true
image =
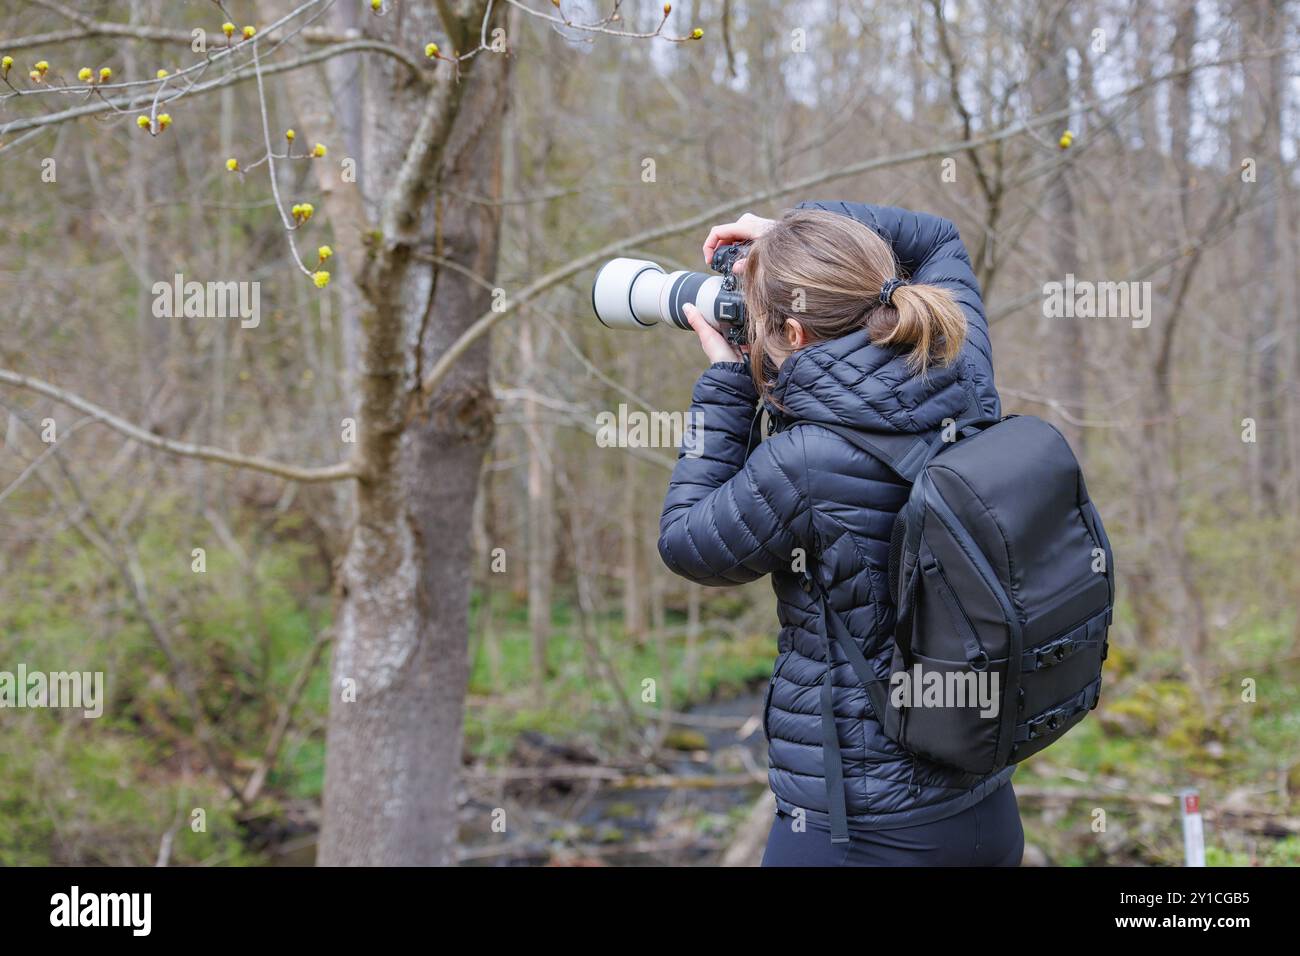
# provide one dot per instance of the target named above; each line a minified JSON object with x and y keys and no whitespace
{"x":394,"y":752}
{"x":1050,"y":90}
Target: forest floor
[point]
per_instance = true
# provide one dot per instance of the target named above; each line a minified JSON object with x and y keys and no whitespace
{"x":609,"y":780}
{"x":599,"y":766}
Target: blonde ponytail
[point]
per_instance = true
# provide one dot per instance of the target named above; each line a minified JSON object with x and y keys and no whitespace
{"x":834,"y":275}
{"x":925,"y":320}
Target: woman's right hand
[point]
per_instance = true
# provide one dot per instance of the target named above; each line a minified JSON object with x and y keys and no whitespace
{"x":744,"y":229}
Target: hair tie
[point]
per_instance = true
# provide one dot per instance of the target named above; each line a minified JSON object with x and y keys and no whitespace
{"x":888,"y":287}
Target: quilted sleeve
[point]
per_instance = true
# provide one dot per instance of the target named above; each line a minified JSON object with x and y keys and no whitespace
{"x":929,"y":250}
{"x":729,"y":516}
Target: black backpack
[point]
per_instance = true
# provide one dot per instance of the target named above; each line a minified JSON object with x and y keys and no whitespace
{"x":1004,"y":584}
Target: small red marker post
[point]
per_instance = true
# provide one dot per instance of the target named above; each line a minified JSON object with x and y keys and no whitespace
{"x":1193,"y":829}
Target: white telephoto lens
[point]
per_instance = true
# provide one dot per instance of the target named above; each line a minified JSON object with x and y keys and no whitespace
{"x":625,"y":294}
{"x":696,"y":288}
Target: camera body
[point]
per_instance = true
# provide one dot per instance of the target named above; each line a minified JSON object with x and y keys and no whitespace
{"x":638,"y":294}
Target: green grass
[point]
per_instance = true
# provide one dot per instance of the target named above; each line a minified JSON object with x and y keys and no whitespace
{"x":1152,"y":735}
{"x":579,"y":698}
{"x":105,"y":791}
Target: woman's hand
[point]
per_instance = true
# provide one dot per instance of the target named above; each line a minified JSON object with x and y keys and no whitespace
{"x":715,"y":346}
{"x":748,"y":227}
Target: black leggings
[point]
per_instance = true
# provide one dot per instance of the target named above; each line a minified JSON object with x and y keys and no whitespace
{"x":986,"y":834}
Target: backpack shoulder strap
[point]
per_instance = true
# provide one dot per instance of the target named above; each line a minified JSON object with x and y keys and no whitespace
{"x":905,"y":455}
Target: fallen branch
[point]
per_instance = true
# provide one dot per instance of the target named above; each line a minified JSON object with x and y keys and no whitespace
{"x":617,"y":779}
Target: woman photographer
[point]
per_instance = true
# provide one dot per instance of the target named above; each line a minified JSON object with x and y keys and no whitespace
{"x":867,"y":317}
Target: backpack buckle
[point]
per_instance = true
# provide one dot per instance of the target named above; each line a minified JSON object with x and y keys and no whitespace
{"x":1053,"y":653}
{"x":1044,"y":724}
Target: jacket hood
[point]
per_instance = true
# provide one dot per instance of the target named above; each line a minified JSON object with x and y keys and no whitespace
{"x":849,"y":381}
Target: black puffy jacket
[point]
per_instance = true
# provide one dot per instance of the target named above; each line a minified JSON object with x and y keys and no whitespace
{"x":731,"y":516}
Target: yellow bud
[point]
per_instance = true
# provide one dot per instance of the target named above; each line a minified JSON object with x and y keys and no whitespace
{"x":142,"y":122}
{"x":324,"y":252}
{"x":248,"y":32}
{"x":85,"y":75}
{"x":161,"y":75}
{"x":35,"y":75}
{"x":318,"y":150}
{"x":42,"y":67}
{"x":6,"y":63}
{"x":431,"y":49}
{"x":164,"y":120}
{"x":668,"y":8}
{"x":696,"y":33}
{"x":289,"y":135}
{"x":105,"y":75}
{"x":228,"y":28}
{"x":322,"y":279}
{"x":307,"y":210}
{"x":376,"y":5}
{"x":1066,"y":139}
{"x":232,"y":165}
{"x":296,"y":210}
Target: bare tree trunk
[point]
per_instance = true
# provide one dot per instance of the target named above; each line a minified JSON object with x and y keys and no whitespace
{"x":1051,"y":91}
{"x":1168,"y":572}
{"x":401,"y":659}
{"x":691,"y":654}
{"x":541,"y":506}
{"x":1263,"y":117}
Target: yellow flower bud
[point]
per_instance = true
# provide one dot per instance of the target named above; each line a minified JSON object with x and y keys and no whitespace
{"x":105,"y":75}
{"x":431,"y":50}
{"x":6,"y":63}
{"x":376,"y":5}
{"x":296,"y":210}
{"x":85,"y":75}
{"x":232,"y":165}
{"x":164,"y":120}
{"x":161,"y":75}
{"x":322,"y":279}
{"x":35,"y":75}
{"x":696,"y":33}
{"x":142,"y":122}
{"x":42,"y":67}
{"x":324,"y":252}
{"x":248,"y":32}
{"x":289,"y":135}
{"x":1066,"y":139}
{"x":318,"y":150}
{"x":307,"y":210}
{"x":228,"y":28}
{"x":668,"y":8}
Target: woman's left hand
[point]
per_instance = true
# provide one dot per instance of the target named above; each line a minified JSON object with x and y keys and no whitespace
{"x":715,"y":346}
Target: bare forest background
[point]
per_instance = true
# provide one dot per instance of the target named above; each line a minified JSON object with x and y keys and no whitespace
{"x":429,"y":638}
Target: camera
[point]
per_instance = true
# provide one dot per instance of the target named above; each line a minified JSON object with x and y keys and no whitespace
{"x":638,"y":294}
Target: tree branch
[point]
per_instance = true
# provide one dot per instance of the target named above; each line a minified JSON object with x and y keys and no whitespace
{"x":337,"y":472}
{"x":485,"y":322}
{"x":239,"y":75}
{"x":88,"y":28}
